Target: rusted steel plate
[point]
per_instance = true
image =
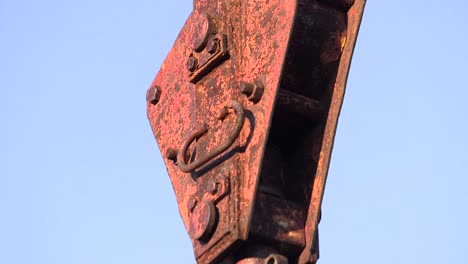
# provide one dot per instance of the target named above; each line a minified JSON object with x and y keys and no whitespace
{"x":244,"y":110}
{"x":197,"y":80}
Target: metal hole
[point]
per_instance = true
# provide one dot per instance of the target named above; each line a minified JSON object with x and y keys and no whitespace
{"x":271,"y":260}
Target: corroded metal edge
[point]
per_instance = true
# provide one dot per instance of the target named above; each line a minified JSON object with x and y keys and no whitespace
{"x":354,"y":20}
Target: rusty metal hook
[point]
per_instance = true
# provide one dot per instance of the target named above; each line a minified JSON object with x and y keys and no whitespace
{"x":239,"y":110}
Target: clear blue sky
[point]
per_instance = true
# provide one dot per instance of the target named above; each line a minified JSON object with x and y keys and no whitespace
{"x":82,"y":181}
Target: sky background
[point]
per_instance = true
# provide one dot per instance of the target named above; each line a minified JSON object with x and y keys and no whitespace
{"x":82,"y":180}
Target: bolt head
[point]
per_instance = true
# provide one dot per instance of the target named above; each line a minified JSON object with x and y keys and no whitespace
{"x":171,"y":154}
{"x":202,"y":221}
{"x":192,"y":63}
{"x":212,"y":46}
{"x":257,"y":92}
{"x":153,"y":94}
{"x":253,"y":91}
{"x":246,"y":88}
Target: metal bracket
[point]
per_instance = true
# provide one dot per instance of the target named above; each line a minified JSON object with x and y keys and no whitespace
{"x":200,"y":64}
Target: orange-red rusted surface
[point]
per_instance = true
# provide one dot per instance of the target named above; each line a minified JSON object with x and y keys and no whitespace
{"x":244,"y":110}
